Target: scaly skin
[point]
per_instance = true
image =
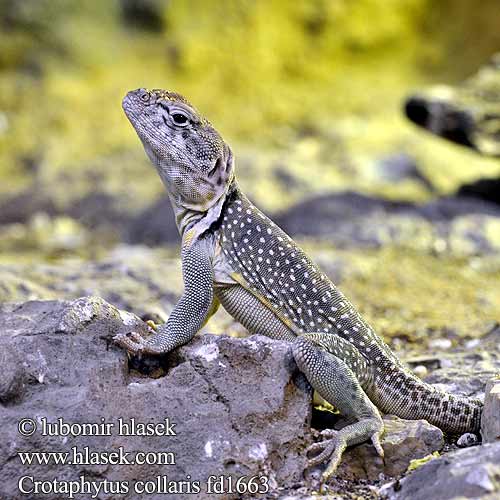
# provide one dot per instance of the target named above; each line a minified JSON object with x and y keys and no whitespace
{"x":233,"y":255}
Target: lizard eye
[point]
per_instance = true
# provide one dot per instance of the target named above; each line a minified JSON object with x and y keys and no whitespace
{"x":180,"y":119}
{"x":144,"y":97}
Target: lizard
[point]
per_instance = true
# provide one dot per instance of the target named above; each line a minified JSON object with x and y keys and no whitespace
{"x":235,"y":256}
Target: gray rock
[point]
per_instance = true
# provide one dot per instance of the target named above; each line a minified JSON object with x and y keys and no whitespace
{"x":142,"y":280}
{"x":154,"y":226}
{"x":469,"y":473}
{"x":490,"y":421}
{"x":326,"y":215}
{"x":144,"y":14}
{"x":398,"y":167}
{"x":460,"y":226}
{"x":465,"y":113}
{"x":464,"y":373}
{"x":467,"y":439}
{"x":403,"y":441}
{"x":241,"y":407}
{"x":21,"y":207}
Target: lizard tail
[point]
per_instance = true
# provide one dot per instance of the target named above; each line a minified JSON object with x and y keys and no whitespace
{"x":407,"y":396}
{"x":454,"y":414}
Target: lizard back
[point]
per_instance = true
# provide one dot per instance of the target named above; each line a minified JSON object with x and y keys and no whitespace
{"x":278,"y":272}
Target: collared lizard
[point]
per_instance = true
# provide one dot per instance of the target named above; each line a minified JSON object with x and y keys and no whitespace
{"x":232,"y":254}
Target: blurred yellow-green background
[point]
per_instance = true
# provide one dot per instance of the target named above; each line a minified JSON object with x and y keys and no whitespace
{"x":310,"y":96}
{"x":269,"y":74}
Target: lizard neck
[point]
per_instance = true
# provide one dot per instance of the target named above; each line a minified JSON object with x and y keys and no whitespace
{"x":190,"y":221}
{"x":194,"y":223}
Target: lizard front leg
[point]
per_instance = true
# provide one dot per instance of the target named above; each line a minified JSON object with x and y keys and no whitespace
{"x":189,"y":314}
{"x":337,"y":383}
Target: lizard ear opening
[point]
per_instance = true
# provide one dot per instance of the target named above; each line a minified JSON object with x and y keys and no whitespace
{"x":222,"y":169}
{"x":229,"y":166}
{"x":222,"y":173}
{"x":221,"y":176}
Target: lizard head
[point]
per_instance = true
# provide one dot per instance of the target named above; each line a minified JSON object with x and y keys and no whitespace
{"x":193,"y":161}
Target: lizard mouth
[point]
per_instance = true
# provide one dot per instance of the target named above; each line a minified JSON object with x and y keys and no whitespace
{"x":128,"y":108}
{"x":126,"y":103}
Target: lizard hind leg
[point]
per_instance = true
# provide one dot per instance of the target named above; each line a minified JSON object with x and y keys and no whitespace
{"x":337,"y":383}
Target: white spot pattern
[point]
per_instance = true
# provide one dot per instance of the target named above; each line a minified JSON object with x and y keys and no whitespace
{"x":297,"y":273}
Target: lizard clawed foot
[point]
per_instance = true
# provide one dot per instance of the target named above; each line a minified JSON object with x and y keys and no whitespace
{"x":135,"y":343}
{"x":330,"y":449}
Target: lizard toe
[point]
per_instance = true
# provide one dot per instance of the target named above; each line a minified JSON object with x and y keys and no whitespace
{"x":329,"y":433}
{"x":376,"y":443}
{"x":335,"y":457}
{"x":330,"y":449}
{"x":326,"y":449}
{"x":133,"y":342}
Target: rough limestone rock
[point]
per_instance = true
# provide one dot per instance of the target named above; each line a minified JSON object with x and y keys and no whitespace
{"x":490,"y":422}
{"x":403,"y":441}
{"x":240,"y":406}
{"x":468,"y":473}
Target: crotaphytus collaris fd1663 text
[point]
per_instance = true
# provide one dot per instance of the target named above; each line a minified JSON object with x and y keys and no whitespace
{"x":233,"y":255}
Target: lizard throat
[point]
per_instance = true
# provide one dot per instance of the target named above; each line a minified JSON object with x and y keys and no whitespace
{"x":198,"y":222}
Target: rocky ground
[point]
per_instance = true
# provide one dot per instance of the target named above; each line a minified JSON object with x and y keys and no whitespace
{"x":425,"y":275}
{"x":240,"y":408}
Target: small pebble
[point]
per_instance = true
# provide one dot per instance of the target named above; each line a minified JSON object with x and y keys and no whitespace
{"x":470,"y":344}
{"x":440,"y":344}
{"x":420,"y":371}
{"x":467,"y":439}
